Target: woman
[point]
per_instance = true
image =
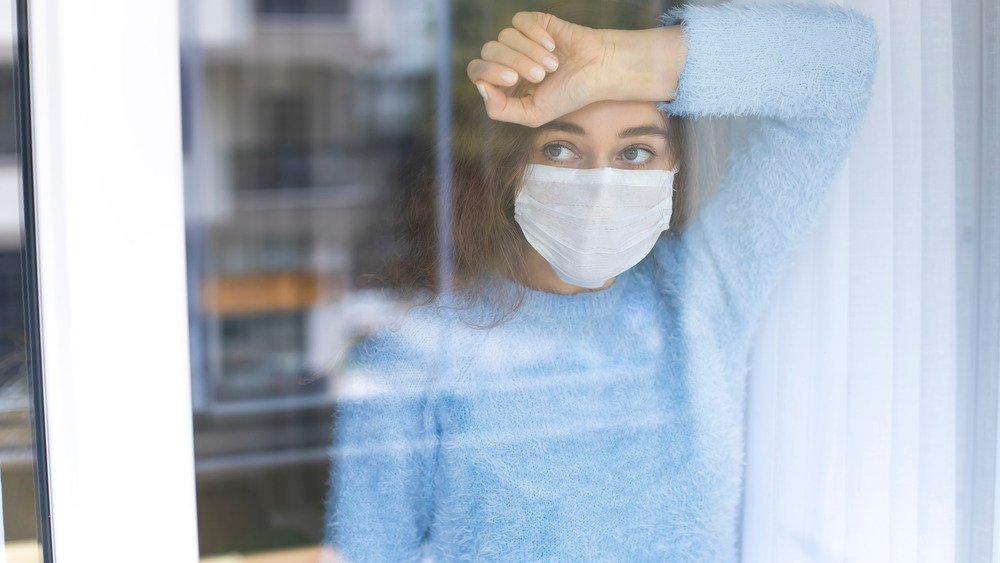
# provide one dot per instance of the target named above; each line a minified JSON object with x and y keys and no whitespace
{"x":601,"y":419}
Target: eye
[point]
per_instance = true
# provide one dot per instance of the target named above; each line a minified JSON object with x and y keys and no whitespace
{"x":636,"y":155}
{"x":557,"y":152}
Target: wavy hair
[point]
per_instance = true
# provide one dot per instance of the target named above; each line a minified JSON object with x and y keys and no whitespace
{"x":488,"y":173}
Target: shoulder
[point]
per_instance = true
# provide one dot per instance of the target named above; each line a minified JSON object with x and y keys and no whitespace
{"x":416,"y":343}
{"x":413,"y":331}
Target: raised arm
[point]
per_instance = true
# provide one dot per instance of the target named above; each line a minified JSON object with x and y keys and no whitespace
{"x":545,"y":67}
{"x":805,"y":72}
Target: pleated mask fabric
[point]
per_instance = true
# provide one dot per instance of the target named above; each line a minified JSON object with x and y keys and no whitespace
{"x":593,"y":224}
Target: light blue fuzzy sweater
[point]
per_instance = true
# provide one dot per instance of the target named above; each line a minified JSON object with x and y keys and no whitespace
{"x":607,"y":426}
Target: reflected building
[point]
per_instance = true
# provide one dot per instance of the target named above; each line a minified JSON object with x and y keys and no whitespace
{"x":299,"y":116}
{"x":16,"y":454}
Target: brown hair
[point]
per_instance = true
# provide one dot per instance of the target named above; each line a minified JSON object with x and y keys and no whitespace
{"x":490,"y":160}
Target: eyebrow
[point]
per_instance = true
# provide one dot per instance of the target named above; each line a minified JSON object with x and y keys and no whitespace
{"x":563,"y":126}
{"x":643,"y":131}
{"x":574,"y":129}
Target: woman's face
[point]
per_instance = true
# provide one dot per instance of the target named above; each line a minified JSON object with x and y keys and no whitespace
{"x":608,"y":134}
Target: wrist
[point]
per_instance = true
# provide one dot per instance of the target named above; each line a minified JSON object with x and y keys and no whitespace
{"x":643,"y":65}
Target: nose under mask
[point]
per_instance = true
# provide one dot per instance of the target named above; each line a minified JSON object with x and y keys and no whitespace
{"x":593,"y":224}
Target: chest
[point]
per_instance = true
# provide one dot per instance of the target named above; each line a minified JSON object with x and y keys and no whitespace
{"x":555,"y":390}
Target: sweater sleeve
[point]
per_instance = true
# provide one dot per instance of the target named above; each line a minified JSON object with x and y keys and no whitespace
{"x":379,"y":505}
{"x":805,"y":73}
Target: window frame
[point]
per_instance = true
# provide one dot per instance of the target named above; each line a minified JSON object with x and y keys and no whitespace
{"x":109,"y":221}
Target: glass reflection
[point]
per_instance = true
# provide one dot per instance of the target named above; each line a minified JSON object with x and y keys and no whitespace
{"x":306,"y":124}
{"x":17,"y":457}
{"x":301,"y":119}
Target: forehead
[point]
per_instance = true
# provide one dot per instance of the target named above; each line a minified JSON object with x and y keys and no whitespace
{"x":614,"y":111}
{"x":605,"y":119}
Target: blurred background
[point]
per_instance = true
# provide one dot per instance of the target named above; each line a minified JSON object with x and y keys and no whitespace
{"x":305,"y":126}
{"x":17,"y":459}
{"x":299,"y":117}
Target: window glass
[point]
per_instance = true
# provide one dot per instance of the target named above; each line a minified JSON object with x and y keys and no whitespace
{"x":300,"y":121}
{"x":341,"y":172}
{"x":18,"y":446}
{"x":16,"y":459}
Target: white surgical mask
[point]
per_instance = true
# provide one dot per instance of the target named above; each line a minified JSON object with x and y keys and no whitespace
{"x":593,"y":224}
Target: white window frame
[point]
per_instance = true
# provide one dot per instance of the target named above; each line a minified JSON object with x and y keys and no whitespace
{"x":112,"y":290}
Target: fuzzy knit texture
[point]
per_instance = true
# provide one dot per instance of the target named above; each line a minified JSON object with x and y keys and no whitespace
{"x":608,"y":426}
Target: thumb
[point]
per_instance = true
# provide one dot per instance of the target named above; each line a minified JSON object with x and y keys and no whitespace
{"x":501,"y":107}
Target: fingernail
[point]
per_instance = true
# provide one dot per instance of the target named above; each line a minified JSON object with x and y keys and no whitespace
{"x":482,"y":92}
{"x":550,"y":63}
{"x":548,"y":44}
{"x":537,"y":73}
{"x":509,"y":76}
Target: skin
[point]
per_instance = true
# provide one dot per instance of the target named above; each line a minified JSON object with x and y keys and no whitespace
{"x":568,"y":66}
{"x":606,"y":134}
{"x":589,"y":92}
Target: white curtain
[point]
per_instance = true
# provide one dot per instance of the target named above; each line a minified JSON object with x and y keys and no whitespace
{"x":871,"y":415}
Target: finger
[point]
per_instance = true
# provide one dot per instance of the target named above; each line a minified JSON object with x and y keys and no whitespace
{"x":497,"y":52}
{"x":534,"y":51}
{"x":501,"y":107}
{"x":532,"y":25}
{"x":493,"y":73}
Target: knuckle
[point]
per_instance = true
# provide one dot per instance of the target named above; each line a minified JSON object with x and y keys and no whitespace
{"x":489,"y":49}
{"x":523,"y":19}
{"x":508,"y":34}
